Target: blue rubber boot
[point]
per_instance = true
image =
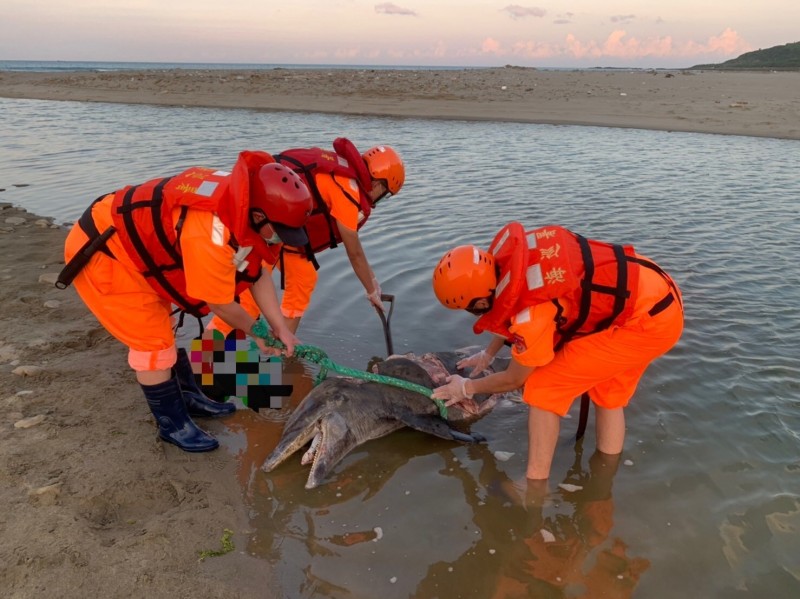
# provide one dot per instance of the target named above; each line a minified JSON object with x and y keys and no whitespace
{"x":197,"y":402}
{"x":174,"y":424}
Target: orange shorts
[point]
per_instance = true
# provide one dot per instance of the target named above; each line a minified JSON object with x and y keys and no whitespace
{"x":247,"y":302}
{"x":127,"y":307}
{"x":607,"y":364}
{"x":300,"y":279}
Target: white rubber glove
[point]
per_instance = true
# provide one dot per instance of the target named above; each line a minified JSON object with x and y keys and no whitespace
{"x":478,"y":362}
{"x":454,"y":391}
{"x":374,"y":296}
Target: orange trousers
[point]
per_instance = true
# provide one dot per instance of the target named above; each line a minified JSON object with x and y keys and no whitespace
{"x":127,"y":307}
{"x":608,"y":364}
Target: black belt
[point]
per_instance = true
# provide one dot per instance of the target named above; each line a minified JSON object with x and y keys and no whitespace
{"x":662,"y":304}
{"x":96,"y":243}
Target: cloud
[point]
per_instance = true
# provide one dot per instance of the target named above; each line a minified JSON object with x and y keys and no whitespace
{"x":728,"y":42}
{"x":491,"y":46}
{"x":619,"y":45}
{"x":534,"y":49}
{"x":516,"y":11}
{"x":622,"y":19}
{"x":388,"y":8}
{"x":562,"y":22}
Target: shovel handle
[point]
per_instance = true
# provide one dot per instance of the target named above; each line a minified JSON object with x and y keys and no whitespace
{"x":385,"y":320}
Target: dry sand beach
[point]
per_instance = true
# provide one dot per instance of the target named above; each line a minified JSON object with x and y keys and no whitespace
{"x":740,"y":103}
{"x":93,"y":504}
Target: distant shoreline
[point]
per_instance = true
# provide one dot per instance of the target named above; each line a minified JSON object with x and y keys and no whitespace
{"x":61,"y":66}
{"x":758,"y":104}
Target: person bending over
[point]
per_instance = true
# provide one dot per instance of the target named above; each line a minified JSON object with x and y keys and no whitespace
{"x":195,"y":240}
{"x":581,"y":316}
{"x":346,"y":186}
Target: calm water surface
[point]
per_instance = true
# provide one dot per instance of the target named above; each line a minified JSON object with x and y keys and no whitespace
{"x":706,"y":499}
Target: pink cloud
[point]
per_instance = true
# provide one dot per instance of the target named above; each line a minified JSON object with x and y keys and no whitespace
{"x":516,"y":11}
{"x":728,"y":42}
{"x":491,"y":46}
{"x":619,"y":45}
{"x":534,"y":49}
{"x":388,"y":8}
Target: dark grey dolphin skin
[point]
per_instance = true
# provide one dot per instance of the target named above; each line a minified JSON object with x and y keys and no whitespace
{"x":341,"y":413}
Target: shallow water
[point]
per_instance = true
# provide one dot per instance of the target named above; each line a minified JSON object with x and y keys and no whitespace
{"x":706,"y":502}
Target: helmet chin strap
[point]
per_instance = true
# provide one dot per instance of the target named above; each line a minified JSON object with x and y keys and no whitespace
{"x":257,"y":226}
{"x":478,"y":311}
{"x":385,"y":193}
{"x":382,"y":196}
{"x":275,"y":239}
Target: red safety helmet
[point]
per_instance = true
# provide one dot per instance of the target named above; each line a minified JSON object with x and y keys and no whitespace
{"x":280,"y":194}
{"x":464,"y":275}
{"x":385,"y":164}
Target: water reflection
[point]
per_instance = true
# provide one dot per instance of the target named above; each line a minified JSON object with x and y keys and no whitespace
{"x":757,"y":546}
{"x":547,"y":545}
{"x":505,"y":539}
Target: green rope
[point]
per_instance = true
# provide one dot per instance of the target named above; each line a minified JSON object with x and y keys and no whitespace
{"x":318,"y":356}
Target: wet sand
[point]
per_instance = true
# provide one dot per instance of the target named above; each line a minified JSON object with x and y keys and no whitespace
{"x":93,"y":503}
{"x":764,"y":104}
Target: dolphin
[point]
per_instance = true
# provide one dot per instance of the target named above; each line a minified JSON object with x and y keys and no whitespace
{"x":342,"y":413}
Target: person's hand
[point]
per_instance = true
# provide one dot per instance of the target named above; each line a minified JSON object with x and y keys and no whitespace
{"x":478,"y":362}
{"x":289,"y":340}
{"x":374,"y":296}
{"x":454,"y":391}
{"x":265,"y":349}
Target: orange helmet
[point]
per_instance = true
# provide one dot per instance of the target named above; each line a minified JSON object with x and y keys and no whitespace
{"x":464,"y":274}
{"x":279,"y":193}
{"x":385,"y":164}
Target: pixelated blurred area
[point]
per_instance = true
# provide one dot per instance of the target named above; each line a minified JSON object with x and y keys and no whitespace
{"x":233,"y":366}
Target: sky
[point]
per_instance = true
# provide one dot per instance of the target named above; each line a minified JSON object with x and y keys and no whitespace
{"x":544,"y":33}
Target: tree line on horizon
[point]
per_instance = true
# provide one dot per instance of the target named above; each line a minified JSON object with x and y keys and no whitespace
{"x":785,"y":57}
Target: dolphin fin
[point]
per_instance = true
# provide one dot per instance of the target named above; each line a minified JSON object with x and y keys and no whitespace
{"x":432,"y":425}
{"x":467,"y":437}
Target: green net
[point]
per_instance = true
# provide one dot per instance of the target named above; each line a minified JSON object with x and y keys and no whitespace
{"x":317,"y":356}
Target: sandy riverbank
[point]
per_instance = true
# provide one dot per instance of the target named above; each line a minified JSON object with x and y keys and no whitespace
{"x":765,"y":104}
{"x":93,"y":504}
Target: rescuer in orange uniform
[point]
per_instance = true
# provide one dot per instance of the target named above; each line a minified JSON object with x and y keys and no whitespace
{"x":346,"y":186}
{"x":194,"y":240}
{"x":582,"y":316}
